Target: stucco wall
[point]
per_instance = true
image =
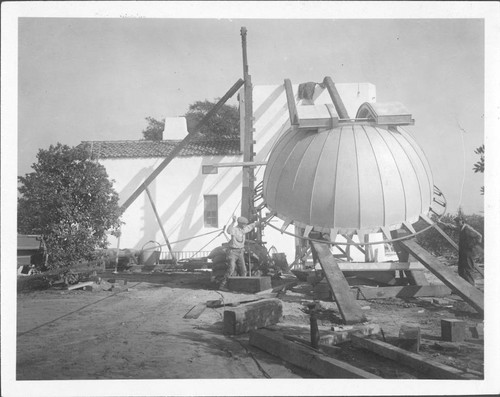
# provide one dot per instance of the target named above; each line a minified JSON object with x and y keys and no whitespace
{"x":178,"y":194}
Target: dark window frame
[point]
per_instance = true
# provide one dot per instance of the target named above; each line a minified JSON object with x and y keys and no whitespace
{"x":210,"y":210}
{"x":209,"y":169}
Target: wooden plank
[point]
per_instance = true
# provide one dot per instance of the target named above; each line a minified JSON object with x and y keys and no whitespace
{"x":192,"y":135}
{"x":349,"y":309}
{"x":458,"y":285}
{"x":416,"y":278}
{"x":79,"y":285}
{"x":196,"y":311}
{"x":244,"y":318}
{"x":379,"y":266}
{"x":158,"y":219}
{"x":290,"y":99}
{"x":433,"y":369}
{"x":447,"y":238}
{"x":407,"y":291}
{"x":336,"y":99}
{"x":242,"y":164}
{"x":304,"y":357}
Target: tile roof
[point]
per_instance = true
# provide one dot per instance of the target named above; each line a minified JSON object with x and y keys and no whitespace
{"x":143,"y":148}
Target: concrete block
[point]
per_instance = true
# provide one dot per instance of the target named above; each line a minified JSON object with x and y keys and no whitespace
{"x":249,"y":284}
{"x":452,"y":330}
{"x":251,"y":316}
{"x":477,"y":331}
{"x":409,"y":338}
{"x":93,"y":288}
{"x":106,"y":286}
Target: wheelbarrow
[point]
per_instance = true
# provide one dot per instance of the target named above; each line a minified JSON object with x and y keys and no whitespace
{"x":150,"y":257}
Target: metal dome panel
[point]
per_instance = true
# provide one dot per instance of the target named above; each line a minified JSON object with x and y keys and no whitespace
{"x":353,"y":177}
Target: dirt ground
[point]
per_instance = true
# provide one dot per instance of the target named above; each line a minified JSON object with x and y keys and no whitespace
{"x":141,"y":333}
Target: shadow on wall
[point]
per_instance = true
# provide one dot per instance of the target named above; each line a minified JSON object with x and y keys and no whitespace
{"x":134,"y":183}
{"x":188,"y":226}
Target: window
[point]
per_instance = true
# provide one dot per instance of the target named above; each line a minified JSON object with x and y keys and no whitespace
{"x":209,"y":169}
{"x":211,"y":212}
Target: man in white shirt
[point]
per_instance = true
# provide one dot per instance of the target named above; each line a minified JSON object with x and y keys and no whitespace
{"x":236,"y":251}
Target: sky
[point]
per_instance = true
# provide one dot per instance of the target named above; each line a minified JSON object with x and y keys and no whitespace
{"x":97,"y":79}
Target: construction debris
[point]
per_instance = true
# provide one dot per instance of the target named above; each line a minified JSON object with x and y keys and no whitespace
{"x":433,"y":370}
{"x":303,"y":357}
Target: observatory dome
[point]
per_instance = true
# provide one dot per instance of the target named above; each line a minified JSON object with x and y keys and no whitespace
{"x":352,"y":177}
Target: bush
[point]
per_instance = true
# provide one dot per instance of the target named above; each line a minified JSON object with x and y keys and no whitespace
{"x":70,"y":201}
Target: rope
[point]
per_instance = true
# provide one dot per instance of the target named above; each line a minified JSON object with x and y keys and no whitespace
{"x":201,"y":249}
{"x":352,"y":243}
{"x":189,"y":238}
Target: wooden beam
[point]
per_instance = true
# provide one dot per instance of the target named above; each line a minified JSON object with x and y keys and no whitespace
{"x":349,"y":309}
{"x":254,"y":315}
{"x":407,"y":291}
{"x":462,"y":288}
{"x":158,"y":219}
{"x":350,"y":240}
{"x":292,"y":107}
{"x":433,"y":369}
{"x":447,"y":238}
{"x":181,"y":145}
{"x":196,"y":311}
{"x":242,"y":164}
{"x":336,"y":99}
{"x":379,"y":266}
{"x":304,"y":357}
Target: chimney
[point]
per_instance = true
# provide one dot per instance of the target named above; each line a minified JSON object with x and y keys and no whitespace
{"x":175,"y":128}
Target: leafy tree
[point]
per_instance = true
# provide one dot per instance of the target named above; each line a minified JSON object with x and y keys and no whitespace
{"x":479,"y":166}
{"x":70,"y":201}
{"x":154,"y":129}
{"x":432,"y":240}
{"x":225,"y":123}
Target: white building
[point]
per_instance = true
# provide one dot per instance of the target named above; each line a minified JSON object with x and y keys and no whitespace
{"x":194,"y":200}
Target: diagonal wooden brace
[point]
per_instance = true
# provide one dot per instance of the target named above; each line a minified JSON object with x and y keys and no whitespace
{"x":458,"y":285}
{"x":348,"y":306}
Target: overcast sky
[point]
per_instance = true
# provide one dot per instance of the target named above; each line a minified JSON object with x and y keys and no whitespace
{"x":97,"y":79}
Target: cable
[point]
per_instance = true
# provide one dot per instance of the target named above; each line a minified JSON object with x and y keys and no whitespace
{"x":201,"y":249}
{"x":353,"y":243}
{"x":463,"y":162}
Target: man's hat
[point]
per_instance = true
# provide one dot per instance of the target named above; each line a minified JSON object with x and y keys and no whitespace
{"x":242,"y":220}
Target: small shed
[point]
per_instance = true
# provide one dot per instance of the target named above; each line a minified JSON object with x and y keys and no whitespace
{"x":30,"y":250}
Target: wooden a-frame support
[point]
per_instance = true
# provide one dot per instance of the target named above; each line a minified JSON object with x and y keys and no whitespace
{"x":194,"y":133}
{"x":458,"y":285}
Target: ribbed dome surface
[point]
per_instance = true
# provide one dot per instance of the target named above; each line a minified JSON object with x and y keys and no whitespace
{"x":353,"y":177}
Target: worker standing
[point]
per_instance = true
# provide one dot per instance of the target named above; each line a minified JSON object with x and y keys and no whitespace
{"x":469,"y":239}
{"x":236,"y":250}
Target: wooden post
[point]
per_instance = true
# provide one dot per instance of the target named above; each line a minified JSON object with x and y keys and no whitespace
{"x":336,"y":99}
{"x":117,"y":252}
{"x":349,"y":309}
{"x":458,"y":285}
{"x":292,"y":107}
{"x":192,"y":135}
{"x":248,"y":185}
{"x":160,"y":224}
